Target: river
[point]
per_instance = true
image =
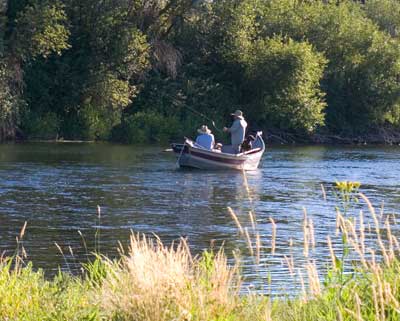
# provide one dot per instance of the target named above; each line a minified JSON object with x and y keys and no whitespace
{"x":57,"y":187}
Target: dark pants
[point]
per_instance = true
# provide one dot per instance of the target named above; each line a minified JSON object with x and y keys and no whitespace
{"x":236,"y":148}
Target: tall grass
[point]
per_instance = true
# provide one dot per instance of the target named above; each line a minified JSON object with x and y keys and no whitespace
{"x":154,"y":282}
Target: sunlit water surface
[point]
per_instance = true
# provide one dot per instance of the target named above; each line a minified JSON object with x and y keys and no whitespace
{"x":56,"y":188}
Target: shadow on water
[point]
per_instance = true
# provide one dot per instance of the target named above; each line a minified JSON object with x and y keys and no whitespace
{"x":57,"y":187}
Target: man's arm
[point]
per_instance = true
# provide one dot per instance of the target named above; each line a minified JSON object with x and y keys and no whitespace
{"x":235,"y":126}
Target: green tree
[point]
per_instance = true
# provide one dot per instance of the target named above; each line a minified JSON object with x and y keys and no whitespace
{"x":281,"y":77}
{"x":360,"y":91}
{"x":282,"y":80}
{"x":386,"y":13}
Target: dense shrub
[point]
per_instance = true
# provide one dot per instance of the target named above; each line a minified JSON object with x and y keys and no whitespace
{"x":145,"y":127}
{"x":283,"y":81}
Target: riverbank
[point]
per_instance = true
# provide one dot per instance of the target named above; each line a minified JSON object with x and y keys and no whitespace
{"x":380,"y":136}
{"x":153,"y":282}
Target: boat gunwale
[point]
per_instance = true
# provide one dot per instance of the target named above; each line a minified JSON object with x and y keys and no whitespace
{"x":222,"y":155}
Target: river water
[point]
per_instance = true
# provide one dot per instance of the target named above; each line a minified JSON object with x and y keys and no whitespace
{"x":56,"y":188}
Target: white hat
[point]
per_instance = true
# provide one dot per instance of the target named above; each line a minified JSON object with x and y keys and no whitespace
{"x":238,"y":113}
{"x":204,"y":130}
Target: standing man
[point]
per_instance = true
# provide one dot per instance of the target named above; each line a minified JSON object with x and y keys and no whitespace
{"x":237,"y":131}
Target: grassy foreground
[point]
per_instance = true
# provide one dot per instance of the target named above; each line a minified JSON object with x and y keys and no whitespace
{"x":153,"y":282}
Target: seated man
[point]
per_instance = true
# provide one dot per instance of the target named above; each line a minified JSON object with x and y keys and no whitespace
{"x":205,"y":138}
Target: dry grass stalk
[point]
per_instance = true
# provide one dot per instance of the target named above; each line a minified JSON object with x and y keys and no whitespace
{"x":390,"y":250}
{"x":362,"y":232}
{"x":323,"y":192}
{"x":154,"y":282}
{"x":339,"y":314}
{"x":382,"y":247}
{"x":375,"y":300}
{"x":59,"y":248}
{"x":98,"y":212}
{"x":312,"y":234}
{"x":252,"y":220}
{"x":248,"y":240}
{"x":273,"y":235}
{"x":258,"y":248}
{"x":22,"y":233}
{"x":331,"y":252}
{"x":305,"y":234}
{"x":313,"y":279}
{"x":358,"y":307}
{"x":303,"y":287}
{"x":290,"y":264}
{"x":235,"y":218}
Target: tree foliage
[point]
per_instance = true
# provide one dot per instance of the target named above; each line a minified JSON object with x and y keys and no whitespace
{"x":148,"y":70}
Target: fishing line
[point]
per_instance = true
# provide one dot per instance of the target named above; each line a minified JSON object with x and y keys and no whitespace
{"x":204,"y":116}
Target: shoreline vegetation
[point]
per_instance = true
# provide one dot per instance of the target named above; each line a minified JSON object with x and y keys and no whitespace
{"x":150,"y":281}
{"x":135,"y":71}
{"x":276,"y":137}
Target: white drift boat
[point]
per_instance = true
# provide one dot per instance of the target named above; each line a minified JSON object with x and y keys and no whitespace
{"x":192,"y":155}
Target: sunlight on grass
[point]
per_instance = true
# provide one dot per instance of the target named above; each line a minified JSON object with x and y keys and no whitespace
{"x":154,"y":282}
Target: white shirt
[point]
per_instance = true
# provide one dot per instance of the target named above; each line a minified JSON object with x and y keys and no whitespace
{"x":238,"y":131}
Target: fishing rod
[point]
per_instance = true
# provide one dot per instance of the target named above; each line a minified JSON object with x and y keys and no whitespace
{"x":204,"y":116}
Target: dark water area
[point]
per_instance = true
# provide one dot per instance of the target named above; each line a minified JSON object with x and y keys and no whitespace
{"x":56,"y":188}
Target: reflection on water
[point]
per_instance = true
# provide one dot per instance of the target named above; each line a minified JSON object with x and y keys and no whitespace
{"x":57,"y":187}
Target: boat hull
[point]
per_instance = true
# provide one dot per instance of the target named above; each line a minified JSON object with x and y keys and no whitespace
{"x":194,"y":157}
